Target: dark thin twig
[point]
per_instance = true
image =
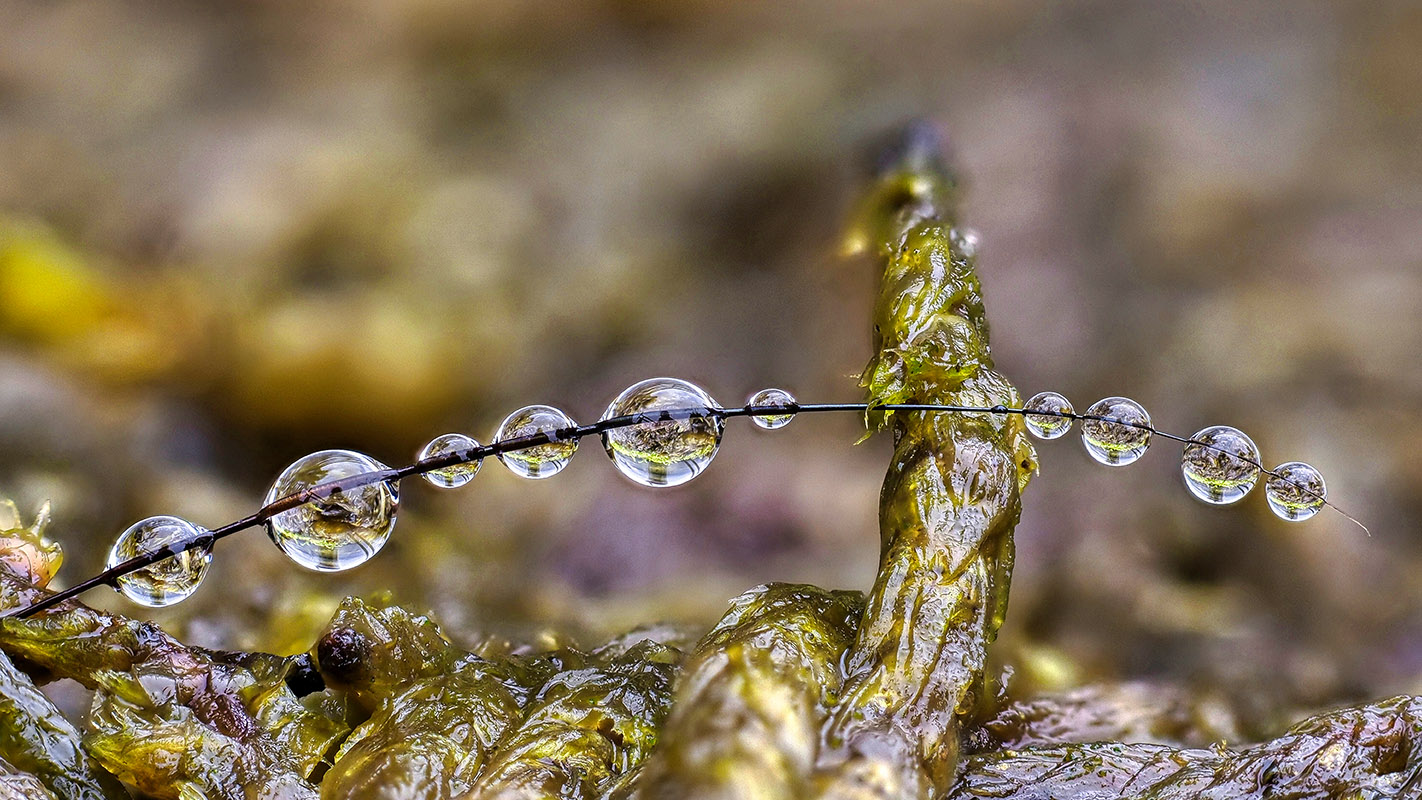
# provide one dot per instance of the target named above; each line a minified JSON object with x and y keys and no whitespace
{"x":325,"y":491}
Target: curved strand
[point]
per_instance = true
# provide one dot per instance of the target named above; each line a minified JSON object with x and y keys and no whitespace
{"x":110,"y":576}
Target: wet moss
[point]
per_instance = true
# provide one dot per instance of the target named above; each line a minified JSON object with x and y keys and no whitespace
{"x":797,"y":692}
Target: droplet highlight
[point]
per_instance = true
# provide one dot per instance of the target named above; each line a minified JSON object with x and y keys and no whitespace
{"x":778,"y":398}
{"x":454,"y":476}
{"x":967,"y":240}
{"x":1047,"y":426}
{"x":543,"y":460}
{"x":165,"y":582}
{"x":1220,"y":465}
{"x":342,"y":529}
{"x":675,"y":437}
{"x":1295,"y":491}
{"x":1116,"y":441}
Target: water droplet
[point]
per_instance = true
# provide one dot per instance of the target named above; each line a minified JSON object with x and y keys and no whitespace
{"x":1046,"y":426}
{"x":457,"y":475}
{"x":1225,"y":470}
{"x":1113,"y":443}
{"x":772,"y":397}
{"x":1295,"y":491}
{"x":341,"y":530}
{"x":667,"y":449}
{"x":165,"y":582}
{"x":539,"y":461}
{"x":968,"y":240}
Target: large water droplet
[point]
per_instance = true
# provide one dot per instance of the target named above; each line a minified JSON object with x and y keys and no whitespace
{"x":1046,"y":426}
{"x":341,"y":530}
{"x":1111,"y":442}
{"x":455,"y":476}
{"x":663,"y":448}
{"x":773,"y":398}
{"x":165,"y":582}
{"x":543,"y":460}
{"x":1220,"y":464}
{"x":1295,"y":491}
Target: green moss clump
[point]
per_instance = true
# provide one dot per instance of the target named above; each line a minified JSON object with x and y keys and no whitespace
{"x":796,"y":693}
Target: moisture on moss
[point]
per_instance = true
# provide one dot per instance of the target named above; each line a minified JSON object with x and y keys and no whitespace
{"x":796,"y":693}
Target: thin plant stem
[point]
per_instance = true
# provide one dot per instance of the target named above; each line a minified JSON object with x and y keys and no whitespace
{"x":329,"y":489}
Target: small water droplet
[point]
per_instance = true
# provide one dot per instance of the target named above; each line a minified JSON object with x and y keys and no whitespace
{"x":457,"y":475}
{"x":1111,"y":442}
{"x":342,"y":529}
{"x":968,"y":241}
{"x":1217,"y":464}
{"x":1295,"y":491}
{"x":1045,"y":426}
{"x":777,"y":398}
{"x":165,"y":582}
{"x":665,"y":449}
{"x":539,"y":461}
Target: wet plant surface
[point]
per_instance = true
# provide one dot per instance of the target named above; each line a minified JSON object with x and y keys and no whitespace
{"x":797,"y":692}
{"x":235,"y":234}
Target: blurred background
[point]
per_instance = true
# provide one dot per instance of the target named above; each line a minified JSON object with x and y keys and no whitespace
{"x":233,"y":233}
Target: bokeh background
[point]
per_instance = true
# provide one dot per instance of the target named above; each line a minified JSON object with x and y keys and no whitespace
{"x":232,"y":233}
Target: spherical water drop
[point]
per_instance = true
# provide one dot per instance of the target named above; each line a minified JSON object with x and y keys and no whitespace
{"x":1220,"y":465}
{"x":1295,"y":491}
{"x":968,"y":240}
{"x":1116,"y":442}
{"x":543,"y":460}
{"x":338,"y":531}
{"x":773,"y":398}
{"x":165,"y":582}
{"x":454,"y":476}
{"x":664,"y":448}
{"x":1047,"y":426}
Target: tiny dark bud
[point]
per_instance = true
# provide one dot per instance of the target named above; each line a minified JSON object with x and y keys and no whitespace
{"x":341,"y":654}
